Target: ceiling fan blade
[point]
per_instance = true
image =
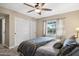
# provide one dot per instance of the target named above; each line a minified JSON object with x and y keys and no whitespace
{"x":30,"y":11}
{"x":28,"y":5}
{"x":46,"y":9}
{"x":37,"y":4}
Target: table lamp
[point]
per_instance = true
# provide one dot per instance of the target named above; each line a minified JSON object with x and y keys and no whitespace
{"x":77,"y":30}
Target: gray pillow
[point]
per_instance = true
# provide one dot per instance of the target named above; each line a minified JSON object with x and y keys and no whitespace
{"x":58,"y":45}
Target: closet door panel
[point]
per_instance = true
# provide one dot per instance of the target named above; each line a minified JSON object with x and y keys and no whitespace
{"x":32,"y":29}
{"x":22,"y":30}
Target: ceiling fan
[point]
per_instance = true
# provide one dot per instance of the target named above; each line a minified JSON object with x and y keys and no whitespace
{"x":38,"y":8}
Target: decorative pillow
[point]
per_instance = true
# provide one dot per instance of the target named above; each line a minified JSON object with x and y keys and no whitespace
{"x":66,"y":50}
{"x":58,"y":45}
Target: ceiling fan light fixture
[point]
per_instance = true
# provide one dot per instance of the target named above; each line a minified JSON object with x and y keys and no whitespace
{"x":37,"y":10}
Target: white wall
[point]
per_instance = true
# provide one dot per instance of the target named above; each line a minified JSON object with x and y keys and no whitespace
{"x":25,"y":30}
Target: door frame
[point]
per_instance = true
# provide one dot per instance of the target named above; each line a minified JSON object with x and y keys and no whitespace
{"x":3,"y":31}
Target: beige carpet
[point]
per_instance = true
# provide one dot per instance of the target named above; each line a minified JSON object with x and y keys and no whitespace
{"x":8,"y":52}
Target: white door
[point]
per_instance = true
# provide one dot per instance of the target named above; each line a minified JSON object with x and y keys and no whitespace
{"x":32,"y":29}
{"x":22,"y":30}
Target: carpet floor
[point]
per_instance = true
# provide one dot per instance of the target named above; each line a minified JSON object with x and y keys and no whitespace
{"x":8,"y":52}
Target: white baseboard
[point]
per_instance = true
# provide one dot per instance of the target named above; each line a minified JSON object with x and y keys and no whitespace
{"x":12,"y":47}
{"x":6,"y":46}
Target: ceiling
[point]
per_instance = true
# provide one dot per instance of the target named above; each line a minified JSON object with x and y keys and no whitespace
{"x":57,"y":8}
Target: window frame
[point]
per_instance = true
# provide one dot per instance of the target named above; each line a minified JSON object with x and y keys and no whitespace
{"x":46,"y":27}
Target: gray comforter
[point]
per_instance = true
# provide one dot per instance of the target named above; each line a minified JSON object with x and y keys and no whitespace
{"x":28,"y":48}
{"x":47,"y":50}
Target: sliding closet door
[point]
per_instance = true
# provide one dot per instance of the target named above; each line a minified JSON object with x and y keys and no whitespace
{"x":22,"y":30}
{"x":32,"y":29}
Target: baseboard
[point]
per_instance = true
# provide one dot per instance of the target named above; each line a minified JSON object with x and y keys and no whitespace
{"x":6,"y":46}
{"x":11,"y":47}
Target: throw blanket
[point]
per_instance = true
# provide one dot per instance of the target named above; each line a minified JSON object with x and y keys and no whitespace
{"x":28,"y":48}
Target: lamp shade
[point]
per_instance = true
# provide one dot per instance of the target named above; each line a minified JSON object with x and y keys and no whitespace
{"x":77,"y":29}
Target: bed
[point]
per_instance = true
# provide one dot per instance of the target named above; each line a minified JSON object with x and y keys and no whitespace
{"x":42,"y":46}
{"x":29,"y":48}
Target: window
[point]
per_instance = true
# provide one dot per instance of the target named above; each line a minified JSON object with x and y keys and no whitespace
{"x":51,"y":28}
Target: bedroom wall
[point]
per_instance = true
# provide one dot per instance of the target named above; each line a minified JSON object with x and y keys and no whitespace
{"x":10,"y":19}
{"x":70,"y":20}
